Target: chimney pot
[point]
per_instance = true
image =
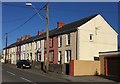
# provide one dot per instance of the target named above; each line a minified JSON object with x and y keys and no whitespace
{"x":60,"y":24}
{"x":39,"y":33}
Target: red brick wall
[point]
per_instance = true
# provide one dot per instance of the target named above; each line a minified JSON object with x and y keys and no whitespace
{"x":53,"y":46}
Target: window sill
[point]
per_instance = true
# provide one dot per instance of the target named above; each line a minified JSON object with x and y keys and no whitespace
{"x":59,"y":46}
{"x":68,"y":45}
{"x":91,"y":41}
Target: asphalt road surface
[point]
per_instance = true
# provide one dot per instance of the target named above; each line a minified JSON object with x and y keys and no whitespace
{"x":13,"y":74}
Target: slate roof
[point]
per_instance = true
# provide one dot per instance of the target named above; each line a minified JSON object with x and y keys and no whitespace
{"x":71,"y":27}
{"x":67,"y":28}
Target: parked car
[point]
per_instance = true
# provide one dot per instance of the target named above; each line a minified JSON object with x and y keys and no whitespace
{"x":23,"y":64}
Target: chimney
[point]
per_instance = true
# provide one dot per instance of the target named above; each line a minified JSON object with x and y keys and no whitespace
{"x":18,"y":39}
{"x":39,"y":33}
{"x":27,"y":37}
{"x":23,"y":38}
{"x":60,"y":24}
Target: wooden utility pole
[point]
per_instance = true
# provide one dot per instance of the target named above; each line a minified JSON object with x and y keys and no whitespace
{"x":6,"y":47}
{"x":47,"y":39}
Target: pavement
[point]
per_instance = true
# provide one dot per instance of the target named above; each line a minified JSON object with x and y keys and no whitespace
{"x":68,"y":77}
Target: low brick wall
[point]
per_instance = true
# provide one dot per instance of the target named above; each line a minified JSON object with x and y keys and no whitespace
{"x":57,"y":68}
{"x":36,"y":65}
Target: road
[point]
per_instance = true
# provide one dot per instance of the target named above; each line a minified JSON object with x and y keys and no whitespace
{"x":13,"y":74}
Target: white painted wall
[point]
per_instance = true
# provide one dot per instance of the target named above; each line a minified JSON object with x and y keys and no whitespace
{"x":104,"y":40}
{"x":42,"y":50}
{"x":12,"y":53}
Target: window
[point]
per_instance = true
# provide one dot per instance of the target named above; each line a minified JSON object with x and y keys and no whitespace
{"x":24,"y":47}
{"x":18,"y":48}
{"x":96,"y":58}
{"x":59,"y":41}
{"x":21,"y":47}
{"x":68,"y":39}
{"x":51,"y":59}
{"x":35,"y":45}
{"x":27,"y":46}
{"x":30,"y":46}
{"x":31,"y":56}
{"x":67,"y":56}
{"x":91,"y":37}
{"x":12,"y":49}
{"x":39,"y":56}
{"x":59,"y":57}
{"x":51,"y":42}
{"x":28,"y":56}
{"x":39,"y":44}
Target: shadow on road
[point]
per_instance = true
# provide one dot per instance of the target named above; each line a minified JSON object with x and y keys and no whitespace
{"x":113,"y":78}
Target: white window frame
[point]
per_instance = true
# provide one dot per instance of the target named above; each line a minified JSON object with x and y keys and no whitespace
{"x":68,"y":58}
{"x":24,"y":47}
{"x":39,"y":44}
{"x":59,"y":56}
{"x":60,"y":41}
{"x":91,"y":37}
{"x":27,"y":46}
{"x":67,"y":39}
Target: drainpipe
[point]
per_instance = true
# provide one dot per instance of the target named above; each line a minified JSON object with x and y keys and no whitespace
{"x":77,"y":44}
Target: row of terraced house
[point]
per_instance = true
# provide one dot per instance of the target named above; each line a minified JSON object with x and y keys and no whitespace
{"x":77,"y":43}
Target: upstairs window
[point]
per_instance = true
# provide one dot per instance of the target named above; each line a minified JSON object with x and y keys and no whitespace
{"x":59,"y":41}
{"x":30,"y":46}
{"x":39,"y":44}
{"x":68,"y":39}
{"x":27,"y":46}
{"x":51,"y":42}
{"x":35,"y":45}
{"x":91,"y":37}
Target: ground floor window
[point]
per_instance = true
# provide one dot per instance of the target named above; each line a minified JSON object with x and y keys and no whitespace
{"x":31,"y":56}
{"x":96,"y":59}
{"x":59,"y":57}
{"x":67,"y":56}
{"x":51,"y":58}
{"x":39,"y":56}
{"x":27,"y":56}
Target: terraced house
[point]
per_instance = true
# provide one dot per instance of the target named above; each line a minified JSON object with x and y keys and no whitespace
{"x":77,"y":44}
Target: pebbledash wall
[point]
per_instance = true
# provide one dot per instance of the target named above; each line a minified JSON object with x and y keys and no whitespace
{"x":87,"y":37}
{"x":104,"y":39}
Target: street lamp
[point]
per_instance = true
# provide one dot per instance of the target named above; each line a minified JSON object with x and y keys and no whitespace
{"x":47,"y":34}
{"x":30,"y":4}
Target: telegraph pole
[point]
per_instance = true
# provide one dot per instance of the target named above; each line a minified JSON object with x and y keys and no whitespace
{"x":47,"y":39}
{"x":6,"y":47}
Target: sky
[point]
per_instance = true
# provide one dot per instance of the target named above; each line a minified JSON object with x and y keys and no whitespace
{"x":14,"y":14}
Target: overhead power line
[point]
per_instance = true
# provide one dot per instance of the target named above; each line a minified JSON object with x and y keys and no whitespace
{"x":22,"y":24}
{"x":16,"y":19}
{"x":26,"y":20}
